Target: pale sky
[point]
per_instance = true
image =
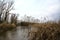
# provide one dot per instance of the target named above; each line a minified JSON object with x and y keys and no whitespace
{"x":37,"y":8}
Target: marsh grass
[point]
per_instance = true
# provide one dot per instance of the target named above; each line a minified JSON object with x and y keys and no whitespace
{"x":45,"y":31}
{"x":6,"y":26}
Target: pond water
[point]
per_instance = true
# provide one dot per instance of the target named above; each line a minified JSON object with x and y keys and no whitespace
{"x":20,"y":33}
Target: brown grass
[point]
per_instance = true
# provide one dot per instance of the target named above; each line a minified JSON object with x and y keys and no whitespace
{"x":45,"y":31}
{"x":5,"y":26}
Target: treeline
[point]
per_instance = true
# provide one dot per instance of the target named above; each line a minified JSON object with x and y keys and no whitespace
{"x":31,"y":19}
{"x":5,"y":16}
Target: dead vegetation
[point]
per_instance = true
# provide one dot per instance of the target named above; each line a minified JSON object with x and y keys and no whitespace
{"x":5,"y":26}
{"x":7,"y":20}
{"x":45,"y":31}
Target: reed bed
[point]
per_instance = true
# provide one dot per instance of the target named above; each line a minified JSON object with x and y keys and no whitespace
{"x":45,"y":31}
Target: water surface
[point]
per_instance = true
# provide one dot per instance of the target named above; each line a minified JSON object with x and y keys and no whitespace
{"x":20,"y":33}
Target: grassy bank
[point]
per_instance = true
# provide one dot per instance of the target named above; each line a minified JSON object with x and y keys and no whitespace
{"x":45,"y":31}
{"x":6,"y":26}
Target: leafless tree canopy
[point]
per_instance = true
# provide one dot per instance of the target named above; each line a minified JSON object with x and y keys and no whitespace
{"x":5,"y":7}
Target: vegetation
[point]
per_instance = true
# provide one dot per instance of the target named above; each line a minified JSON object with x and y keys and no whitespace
{"x":45,"y":31}
{"x":49,"y":30}
{"x":7,"y":19}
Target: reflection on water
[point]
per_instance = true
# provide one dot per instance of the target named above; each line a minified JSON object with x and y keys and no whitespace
{"x":17,"y":34}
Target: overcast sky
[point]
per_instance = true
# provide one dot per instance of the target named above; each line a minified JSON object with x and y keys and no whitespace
{"x":37,"y":8}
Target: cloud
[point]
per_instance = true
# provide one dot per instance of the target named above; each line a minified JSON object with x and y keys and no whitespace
{"x":37,"y":8}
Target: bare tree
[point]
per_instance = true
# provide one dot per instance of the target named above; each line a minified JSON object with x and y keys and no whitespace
{"x":5,"y":7}
{"x":30,"y":19}
{"x":14,"y":18}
